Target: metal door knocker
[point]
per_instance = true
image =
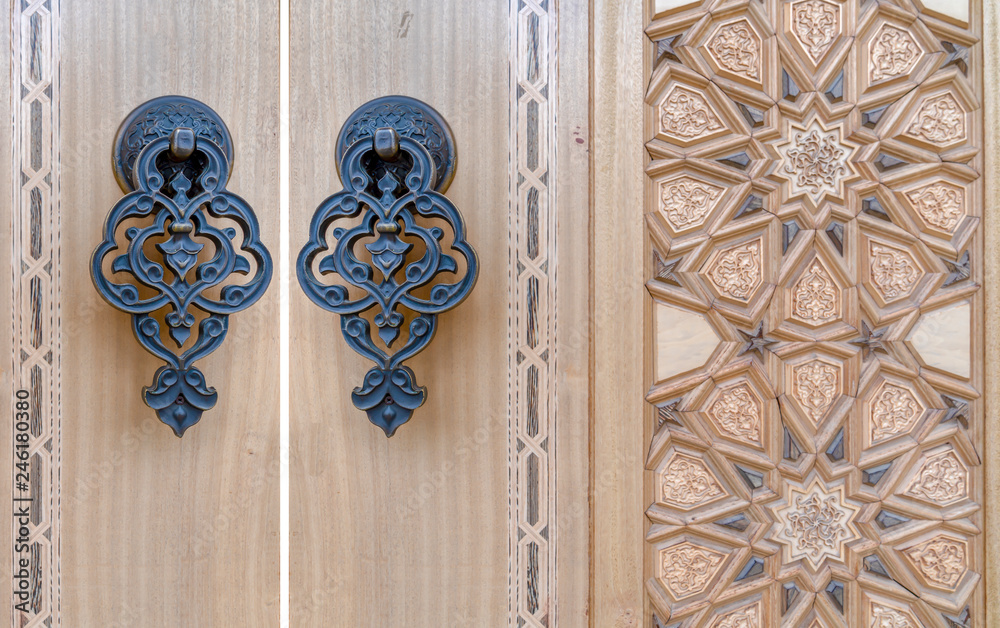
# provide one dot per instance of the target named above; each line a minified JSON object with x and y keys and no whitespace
{"x":172,"y":158}
{"x":396,"y":157}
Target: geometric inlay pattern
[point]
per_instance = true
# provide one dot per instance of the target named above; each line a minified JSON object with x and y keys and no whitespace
{"x":531,"y":348}
{"x":814,"y":196}
{"x":37,"y":347}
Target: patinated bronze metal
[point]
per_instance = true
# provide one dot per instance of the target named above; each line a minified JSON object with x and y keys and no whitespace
{"x":410,"y":118}
{"x":398,"y":157}
{"x":172,"y":158}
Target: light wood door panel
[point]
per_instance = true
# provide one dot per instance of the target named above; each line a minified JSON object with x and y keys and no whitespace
{"x":156,"y":530}
{"x":454,"y":519}
{"x":413,"y":529}
{"x":813,"y":213}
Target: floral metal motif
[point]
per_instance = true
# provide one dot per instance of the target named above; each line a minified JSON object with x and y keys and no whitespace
{"x":687,"y":568}
{"x":815,"y":297}
{"x":179,"y":285}
{"x":816,"y":160}
{"x":939,"y":204}
{"x":892,"y":52}
{"x":737,"y":413}
{"x":942,"y":480}
{"x":816,"y":23}
{"x":736,"y":48}
{"x":892,"y":271}
{"x":941,"y":121}
{"x":815,"y":387}
{"x":392,"y":213}
{"x":941,"y":560}
{"x":686,"y":201}
{"x":687,"y":482}
{"x":737,"y":272}
{"x":894,"y":409}
{"x":686,"y":115}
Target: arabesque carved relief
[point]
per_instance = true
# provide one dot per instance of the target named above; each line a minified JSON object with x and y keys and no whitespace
{"x":827,"y":449}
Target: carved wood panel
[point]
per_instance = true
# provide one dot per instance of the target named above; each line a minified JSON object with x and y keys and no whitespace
{"x":813,"y":204}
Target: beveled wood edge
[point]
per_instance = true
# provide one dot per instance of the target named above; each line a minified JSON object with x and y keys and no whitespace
{"x":991,"y":236}
{"x":620,"y":417}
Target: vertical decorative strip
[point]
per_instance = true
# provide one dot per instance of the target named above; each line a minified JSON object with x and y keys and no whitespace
{"x":36,"y":322}
{"x":531,"y":323}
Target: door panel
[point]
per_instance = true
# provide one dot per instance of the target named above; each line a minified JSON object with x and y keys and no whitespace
{"x":133,"y":525}
{"x":813,"y":209}
{"x":457,"y":518}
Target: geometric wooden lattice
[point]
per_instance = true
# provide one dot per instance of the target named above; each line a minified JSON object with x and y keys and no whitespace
{"x":813,"y":205}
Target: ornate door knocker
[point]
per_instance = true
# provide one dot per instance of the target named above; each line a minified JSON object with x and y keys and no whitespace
{"x":397,"y":157}
{"x":172,"y":158}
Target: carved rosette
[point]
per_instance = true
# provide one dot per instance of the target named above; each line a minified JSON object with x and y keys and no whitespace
{"x":815,"y":162}
{"x":816,"y":524}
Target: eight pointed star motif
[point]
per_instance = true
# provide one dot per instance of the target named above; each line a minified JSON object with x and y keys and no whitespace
{"x":814,"y":161}
{"x":815,"y":523}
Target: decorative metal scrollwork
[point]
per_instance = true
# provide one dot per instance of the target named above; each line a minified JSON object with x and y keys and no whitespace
{"x":391,"y":181}
{"x":172,"y":159}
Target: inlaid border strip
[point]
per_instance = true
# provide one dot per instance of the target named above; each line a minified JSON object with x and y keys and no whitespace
{"x":37,"y":355}
{"x":531,"y":314}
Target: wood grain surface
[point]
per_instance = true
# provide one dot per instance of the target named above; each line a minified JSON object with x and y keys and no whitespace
{"x":159,"y":531}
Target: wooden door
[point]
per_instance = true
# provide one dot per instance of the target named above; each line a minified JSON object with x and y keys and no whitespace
{"x":726,"y":363}
{"x":810,"y":268}
{"x":475,"y":512}
{"x":129,"y":525}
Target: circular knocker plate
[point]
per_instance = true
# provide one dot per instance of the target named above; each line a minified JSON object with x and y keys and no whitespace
{"x":158,"y":118}
{"x":410,"y":118}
